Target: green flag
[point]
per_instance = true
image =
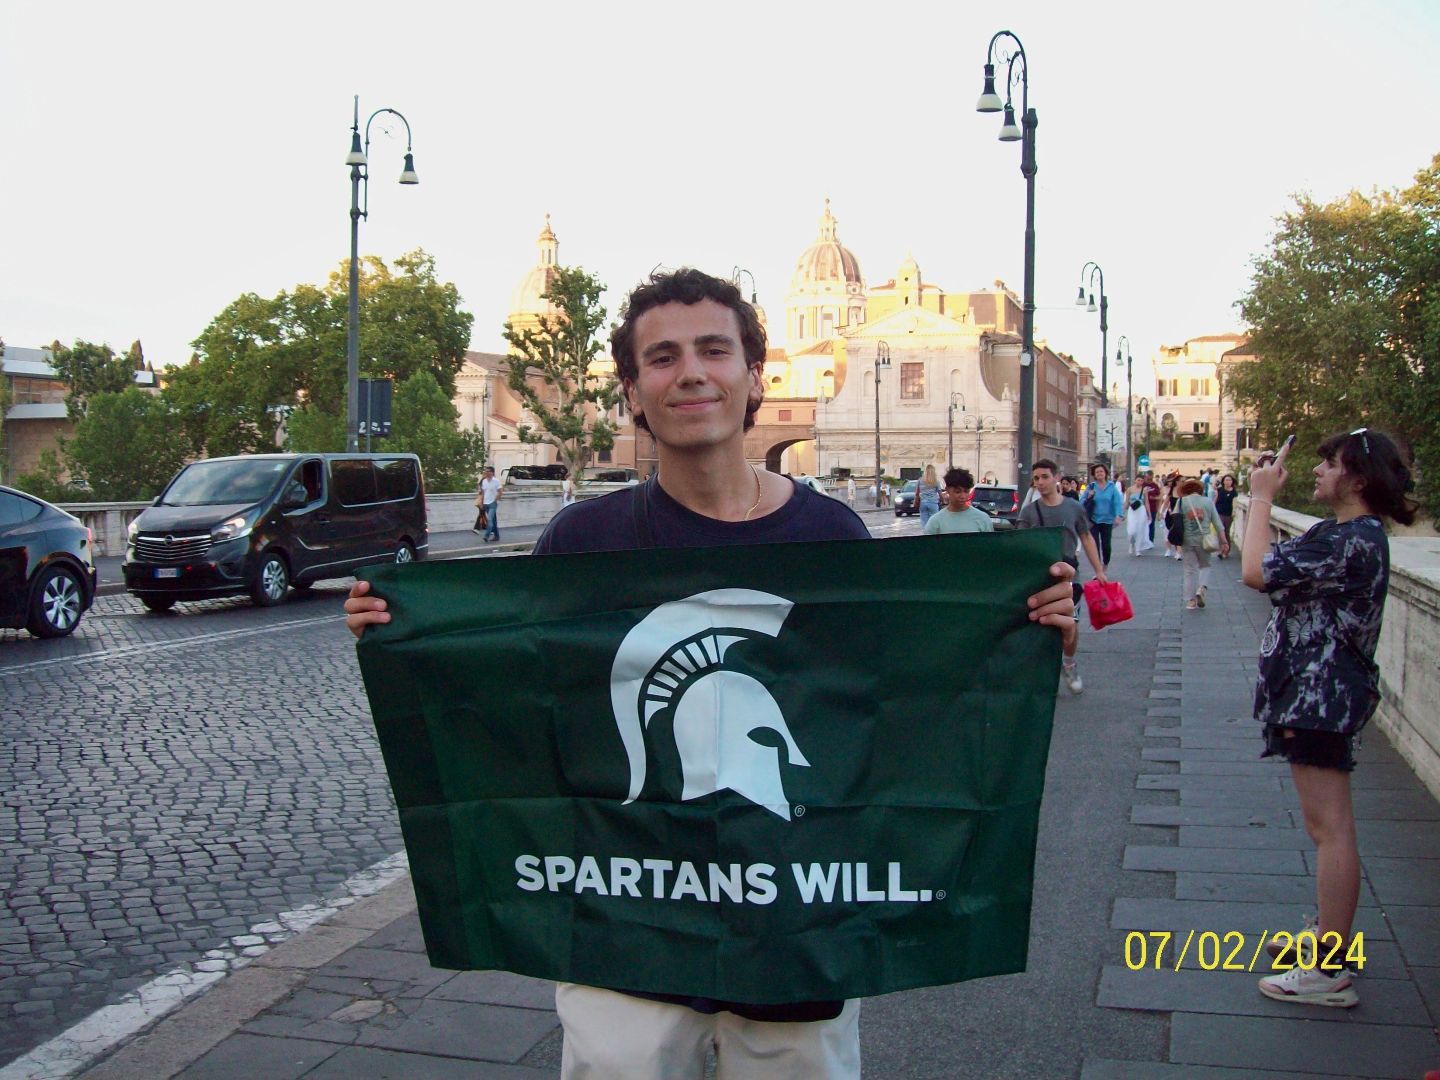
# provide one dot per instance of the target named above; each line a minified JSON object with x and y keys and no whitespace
{"x":764,"y":773}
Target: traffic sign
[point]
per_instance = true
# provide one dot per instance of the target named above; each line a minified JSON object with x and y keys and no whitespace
{"x":1143,"y":461}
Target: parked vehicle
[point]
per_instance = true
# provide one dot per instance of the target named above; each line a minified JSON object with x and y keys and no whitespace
{"x":261,"y":523}
{"x":1000,"y":501}
{"x":906,"y":501}
{"x":610,"y":474}
{"x":520,"y":475}
{"x":47,"y":566}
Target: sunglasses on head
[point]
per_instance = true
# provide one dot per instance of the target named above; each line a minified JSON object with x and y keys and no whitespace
{"x":1364,"y":439}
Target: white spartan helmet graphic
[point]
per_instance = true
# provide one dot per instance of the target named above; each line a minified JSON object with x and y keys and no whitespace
{"x":675,"y":659}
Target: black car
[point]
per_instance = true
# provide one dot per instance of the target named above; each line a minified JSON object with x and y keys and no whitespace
{"x":1000,"y":501}
{"x":905,"y":501}
{"x":47,"y":566}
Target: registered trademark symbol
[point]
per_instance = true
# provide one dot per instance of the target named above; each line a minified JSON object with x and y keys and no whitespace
{"x":939,"y":894}
{"x":799,"y":811}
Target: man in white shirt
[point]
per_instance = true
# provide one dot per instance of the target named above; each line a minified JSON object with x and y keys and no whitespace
{"x":490,"y":495}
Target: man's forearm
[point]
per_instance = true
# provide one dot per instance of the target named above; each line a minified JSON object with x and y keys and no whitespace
{"x":1257,"y":541}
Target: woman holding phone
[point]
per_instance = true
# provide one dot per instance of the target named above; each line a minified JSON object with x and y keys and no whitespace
{"x":1318,"y":681}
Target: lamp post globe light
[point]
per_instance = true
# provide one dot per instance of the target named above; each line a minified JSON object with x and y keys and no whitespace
{"x":1017,"y":66}
{"x":358,"y":160}
{"x":1122,"y":348}
{"x":1092,"y":269}
{"x":882,"y":360}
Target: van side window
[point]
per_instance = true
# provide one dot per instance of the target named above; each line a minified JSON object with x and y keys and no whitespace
{"x":354,"y":481}
{"x":312,"y":475}
{"x":397,"y":478}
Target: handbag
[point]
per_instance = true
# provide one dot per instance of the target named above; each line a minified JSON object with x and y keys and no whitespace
{"x":1107,"y":603}
{"x":1175,"y":525}
{"x":1210,"y":541}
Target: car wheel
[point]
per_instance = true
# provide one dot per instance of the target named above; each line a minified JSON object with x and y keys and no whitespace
{"x":271,"y":580}
{"x":57,"y":603}
{"x":158,"y":603}
{"x":405,"y":553}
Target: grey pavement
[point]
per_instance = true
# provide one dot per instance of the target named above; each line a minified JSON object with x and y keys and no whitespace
{"x":1158,"y":818}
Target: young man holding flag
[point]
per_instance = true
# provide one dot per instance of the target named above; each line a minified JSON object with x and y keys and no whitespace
{"x":690,"y":353}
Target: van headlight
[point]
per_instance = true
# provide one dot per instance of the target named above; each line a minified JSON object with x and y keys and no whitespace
{"x":132,"y":530}
{"x":239,"y":525}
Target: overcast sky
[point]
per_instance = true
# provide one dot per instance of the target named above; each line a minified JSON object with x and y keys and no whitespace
{"x":162,"y":159}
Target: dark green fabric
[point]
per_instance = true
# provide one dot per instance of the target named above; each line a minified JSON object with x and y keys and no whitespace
{"x":909,"y":678}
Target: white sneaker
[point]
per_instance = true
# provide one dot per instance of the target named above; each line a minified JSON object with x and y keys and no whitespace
{"x":1283,"y":949}
{"x":1304,"y":987}
{"x":1071,"y":677}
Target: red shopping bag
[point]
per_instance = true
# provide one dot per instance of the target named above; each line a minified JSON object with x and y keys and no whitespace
{"x":1107,"y":603}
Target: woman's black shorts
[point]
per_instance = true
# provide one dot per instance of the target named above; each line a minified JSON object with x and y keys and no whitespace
{"x":1302,"y":746}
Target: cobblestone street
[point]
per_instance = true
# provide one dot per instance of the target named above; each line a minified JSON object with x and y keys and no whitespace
{"x":170,"y":784}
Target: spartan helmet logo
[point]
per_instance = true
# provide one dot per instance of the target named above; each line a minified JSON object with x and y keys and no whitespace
{"x":675,"y":659}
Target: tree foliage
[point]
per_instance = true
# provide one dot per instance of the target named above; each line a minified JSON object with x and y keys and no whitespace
{"x":144,"y":425}
{"x":88,"y":368}
{"x":571,"y":407}
{"x":262,"y":357}
{"x":47,"y":480}
{"x":1344,"y":310}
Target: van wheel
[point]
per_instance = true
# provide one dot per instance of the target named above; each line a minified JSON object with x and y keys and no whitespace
{"x":271,"y":580}
{"x":405,"y":552}
{"x":158,"y":603}
{"x":56,"y":605}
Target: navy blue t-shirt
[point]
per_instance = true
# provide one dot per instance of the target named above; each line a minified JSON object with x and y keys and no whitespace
{"x":609,"y":523}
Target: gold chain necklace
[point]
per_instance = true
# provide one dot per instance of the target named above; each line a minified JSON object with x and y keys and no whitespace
{"x":752,"y":509}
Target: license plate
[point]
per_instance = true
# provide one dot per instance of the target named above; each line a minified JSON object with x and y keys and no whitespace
{"x":167,"y":572}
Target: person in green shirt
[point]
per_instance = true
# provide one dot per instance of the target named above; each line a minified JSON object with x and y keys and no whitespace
{"x":959,"y":516}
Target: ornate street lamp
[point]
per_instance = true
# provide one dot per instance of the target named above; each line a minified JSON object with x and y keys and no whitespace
{"x":1094,"y":270}
{"x":1017,"y":66}
{"x":982,"y":424}
{"x":882,"y":360}
{"x":1129,"y":400}
{"x":950,"y":427}
{"x":358,"y":160}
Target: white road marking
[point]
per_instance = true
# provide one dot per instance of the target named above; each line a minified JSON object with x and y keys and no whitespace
{"x":125,"y":652}
{"x":103,"y":1030}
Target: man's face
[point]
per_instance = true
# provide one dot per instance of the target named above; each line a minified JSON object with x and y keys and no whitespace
{"x":1043,"y":481}
{"x":957,"y":498}
{"x":489,"y":474}
{"x":693,"y":385}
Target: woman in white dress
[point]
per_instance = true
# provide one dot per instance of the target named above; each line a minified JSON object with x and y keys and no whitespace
{"x":1137,"y":518}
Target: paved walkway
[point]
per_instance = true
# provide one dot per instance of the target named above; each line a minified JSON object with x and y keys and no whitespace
{"x":1158,"y":817}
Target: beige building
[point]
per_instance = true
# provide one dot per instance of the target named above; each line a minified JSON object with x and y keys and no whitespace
{"x":1187,"y":389}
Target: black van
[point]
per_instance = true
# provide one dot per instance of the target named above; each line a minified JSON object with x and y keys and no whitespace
{"x":263,"y":522}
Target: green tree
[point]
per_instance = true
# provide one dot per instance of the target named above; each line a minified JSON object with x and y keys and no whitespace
{"x":47,"y":480}
{"x":261,"y":356}
{"x":88,"y":369}
{"x":145,"y":426}
{"x":1344,"y":310}
{"x":571,"y":407}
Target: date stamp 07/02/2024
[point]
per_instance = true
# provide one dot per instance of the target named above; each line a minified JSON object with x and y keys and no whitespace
{"x":1232,"y":950}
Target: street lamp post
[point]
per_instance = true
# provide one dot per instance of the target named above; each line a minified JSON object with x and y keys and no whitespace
{"x":1129,"y":400}
{"x":358,"y":160}
{"x":1080,"y":301}
{"x":950,"y":427}
{"x":882,"y":360}
{"x":982,"y":425}
{"x":990,"y":102}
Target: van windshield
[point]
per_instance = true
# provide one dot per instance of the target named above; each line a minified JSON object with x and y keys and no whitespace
{"x":214,"y":483}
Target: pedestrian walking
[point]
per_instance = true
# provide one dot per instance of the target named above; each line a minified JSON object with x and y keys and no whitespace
{"x":490,"y":492}
{"x":1050,"y":509}
{"x":1202,"y":536}
{"x":1224,"y":498}
{"x":959,"y":516}
{"x":1153,"y":498}
{"x":850,"y":492}
{"x":687,"y":338}
{"x":927,"y":495}
{"x":481,"y":521}
{"x":1318,"y":681}
{"x":1172,"y":502}
{"x":1105,"y":505}
{"x":567,"y":491}
{"x":1137,"y":518}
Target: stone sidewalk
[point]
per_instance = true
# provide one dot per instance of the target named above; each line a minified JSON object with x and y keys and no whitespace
{"x":1159,"y":816}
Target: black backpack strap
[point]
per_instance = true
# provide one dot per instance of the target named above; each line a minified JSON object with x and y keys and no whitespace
{"x":640,"y":515}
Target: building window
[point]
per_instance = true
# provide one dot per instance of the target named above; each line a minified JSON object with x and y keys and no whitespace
{"x":827,"y":325}
{"x":604,"y":457}
{"x":1245,"y":439}
{"x":1201,"y":427}
{"x":800,"y":326}
{"x":784,"y":415}
{"x":912,"y":381}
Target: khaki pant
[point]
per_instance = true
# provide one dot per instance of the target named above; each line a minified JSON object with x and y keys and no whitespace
{"x":611,"y":1036}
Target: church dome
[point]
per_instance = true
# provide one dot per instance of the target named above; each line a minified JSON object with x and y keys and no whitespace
{"x":827,"y":260}
{"x":528,"y":297}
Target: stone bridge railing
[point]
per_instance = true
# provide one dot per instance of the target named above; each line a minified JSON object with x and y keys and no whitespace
{"x":1409,"y":651}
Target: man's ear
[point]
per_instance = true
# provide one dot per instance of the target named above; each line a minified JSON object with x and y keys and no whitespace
{"x":628,"y":388}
